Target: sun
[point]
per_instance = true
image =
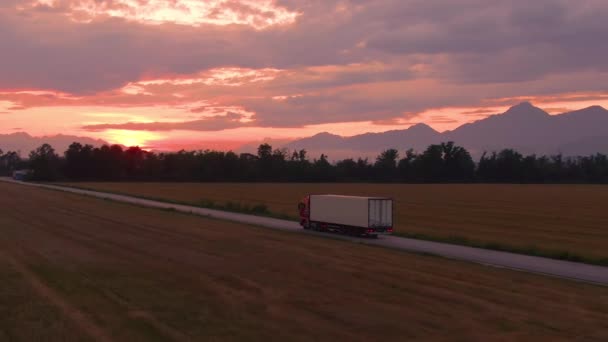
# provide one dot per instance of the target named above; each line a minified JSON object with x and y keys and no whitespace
{"x":130,"y":138}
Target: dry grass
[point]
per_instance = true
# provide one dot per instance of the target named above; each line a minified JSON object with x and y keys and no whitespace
{"x":26,"y":316}
{"x":547,"y":219}
{"x":143,"y":274}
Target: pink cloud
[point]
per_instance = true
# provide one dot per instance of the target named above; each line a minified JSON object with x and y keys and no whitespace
{"x":292,"y":66}
{"x":259,"y":14}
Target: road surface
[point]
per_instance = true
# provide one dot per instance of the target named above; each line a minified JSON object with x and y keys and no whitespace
{"x":551,"y":267}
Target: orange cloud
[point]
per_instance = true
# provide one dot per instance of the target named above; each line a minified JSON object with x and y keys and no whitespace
{"x":210,"y":123}
{"x":259,"y":14}
{"x":230,"y":77}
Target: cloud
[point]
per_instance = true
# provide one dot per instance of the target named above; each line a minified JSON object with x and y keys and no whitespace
{"x":467,"y":41}
{"x":208,"y":124}
{"x":442,"y":119}
{"x":557,"y":110}
{"x":298,"y":63}
{"x":259,"y":14}
{"x":596,"y":96}
{"x":393,"y":122}
{"x":479,"y":112}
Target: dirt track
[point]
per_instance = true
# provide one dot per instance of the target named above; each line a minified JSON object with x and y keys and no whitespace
{"x":120,"y":272}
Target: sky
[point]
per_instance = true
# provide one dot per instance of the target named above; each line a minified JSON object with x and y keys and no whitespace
{"x":173,"y":74}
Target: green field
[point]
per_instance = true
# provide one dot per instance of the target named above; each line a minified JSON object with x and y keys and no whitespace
{"x":76,"y":268}
{"x":561,"y":221}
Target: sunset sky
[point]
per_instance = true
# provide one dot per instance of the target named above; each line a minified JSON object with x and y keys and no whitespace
{"x":172,"y":74}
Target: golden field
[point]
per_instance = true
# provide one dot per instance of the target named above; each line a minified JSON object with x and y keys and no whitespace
{"x":549,"y":219}
{"x":78,"y":268}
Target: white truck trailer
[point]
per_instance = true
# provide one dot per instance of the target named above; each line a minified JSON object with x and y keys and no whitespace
{"x":353,"y":215}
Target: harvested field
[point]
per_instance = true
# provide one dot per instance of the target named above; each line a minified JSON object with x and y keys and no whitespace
{"x":563,"y":221}
{"x":27,"y":315}
{"x":112,"y":271}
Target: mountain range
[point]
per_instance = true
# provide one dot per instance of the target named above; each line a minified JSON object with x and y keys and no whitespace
{"x":24,"y":143}
{"x":524,"y":127}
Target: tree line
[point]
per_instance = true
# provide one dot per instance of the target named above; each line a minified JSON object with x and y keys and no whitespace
{"x":439,"y":163}
{"x":10,"y":162}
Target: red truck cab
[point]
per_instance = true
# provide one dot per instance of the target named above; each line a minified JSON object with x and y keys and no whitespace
{"x":304,"y":209}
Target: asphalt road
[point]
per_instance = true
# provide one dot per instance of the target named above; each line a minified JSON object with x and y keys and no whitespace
{"x":556,"y":268}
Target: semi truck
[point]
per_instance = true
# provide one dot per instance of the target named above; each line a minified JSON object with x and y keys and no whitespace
{"x":352,"y":215}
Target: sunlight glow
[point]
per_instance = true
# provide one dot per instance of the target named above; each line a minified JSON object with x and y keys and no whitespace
{"x":5,"y":105}
{"x":225,"y":77}
{"x":230,"y":77}
{"x":134,"y":89}
{"x":206,"y":110}
{"x":46,"y":93}
{"x":259,"y":14}
{"x":131,"y":138}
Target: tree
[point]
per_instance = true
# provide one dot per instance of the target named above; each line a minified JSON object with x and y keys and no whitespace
{"x":45,"y":164}
{"x":265,"y":161}
{"x":278,"y":166}
{"x":509,"y":166}
{"x":322,"y":169}
{"x":458,"y":164}
{"x":387,"y":160}
{"x":346,"y":170}
{"x":445,"y":162}
{"x":297,"y":168}
{"x":302,"y":155}
{"x":429,"y":165}
{"x":134,"y":158}
{"x":3,"y":170}
{"x":9,"y":162}
{"x":73,"y":161}
{"x":386,"y":165}
{"x":406,"y":166}
{"x":79,"y":163}
{"x":294,"y":156}
{"x":264,"y":152}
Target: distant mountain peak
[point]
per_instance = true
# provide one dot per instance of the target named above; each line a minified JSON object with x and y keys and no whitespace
{"x":325,"y":134}
{"x":525,"y":104}
{"x":524,"y":127}
{"x":421,"y":127}
{"x":595,"y":108}
{"x":526,"y":109}
{"x":20,"y":134}
{"x":589,"y":113}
